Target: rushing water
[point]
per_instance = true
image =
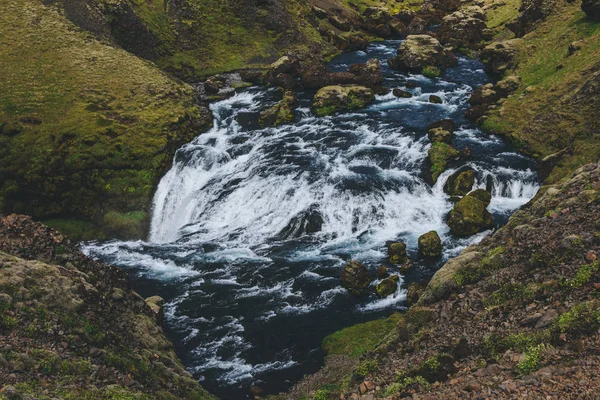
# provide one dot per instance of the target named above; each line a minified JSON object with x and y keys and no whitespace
{"x":250,"y":295}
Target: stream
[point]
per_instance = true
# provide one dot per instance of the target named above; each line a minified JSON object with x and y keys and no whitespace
{"x":251,"y":290}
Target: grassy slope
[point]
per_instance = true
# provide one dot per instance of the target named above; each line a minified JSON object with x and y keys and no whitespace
{"x":541,"y":118}
{"x":94,"y":121}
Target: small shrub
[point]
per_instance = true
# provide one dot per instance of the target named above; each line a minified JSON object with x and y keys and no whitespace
{"x":531,"y":361}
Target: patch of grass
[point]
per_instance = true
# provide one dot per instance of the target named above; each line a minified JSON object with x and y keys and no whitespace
{"x":355,"y":340}
{"x":511,"y":292}
{"x":366,"y":367}
{"x":581,"y":319}
{"x":531,"y":360}
{"x":405,"y":382}
{"x":321,"y":394}
{"x":492,"y":261}
{"x":583,"y":276}
{"x":502,"y":14}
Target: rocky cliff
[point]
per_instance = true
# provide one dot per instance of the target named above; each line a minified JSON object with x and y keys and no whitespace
{"x":72,"y":328}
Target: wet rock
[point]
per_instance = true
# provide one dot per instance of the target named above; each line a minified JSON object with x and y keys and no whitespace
{"x":592,"y":9}
{"x":440,"y":135}
{"x":501,"y":56}
{"x":317,"y":75}
{"x":355,"y":278}
{"x":430,"y":244}
{"x":279,"y":114}
{"x":305,"y":223}
{"x":417,"y":26}
{"x":382,"y":272}
{"x":435,"y":99}
{"x":419,"y":51}
{"x":440,"y":154}
{"x":406,"y":266}
{"x":332,"y":99}
{"x":388,"y":286}
{"x":469,"y":216}
{"x":476,"y":112}
{"x":445,"y":124}
{"x":482,"y":195}
{"x":402,"y":93}
{"x":397,"y":253}
{"x":460,"y":183}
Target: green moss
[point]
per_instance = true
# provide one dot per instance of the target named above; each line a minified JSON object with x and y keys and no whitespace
{"x":404,"y":382}
{"x":366,"y":367}
{"x":492,"y":261}
{"x":583,"y":276}
{"x":531,"y":360}
{"x":431,"y":71}
{"x":321,"y":394}
{"x":357,"y":339}
{"x":440,"y":154}
{"x":582,"y":318}
{"x":511,"y":292}
{"x":503,"y":13}
{"x":325,"y":111}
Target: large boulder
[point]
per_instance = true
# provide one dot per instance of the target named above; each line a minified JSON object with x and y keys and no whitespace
{"x":397,"y":253}
{"x":317,"y":75}
{"x":464,"y":28}
{"x":530,"y":12}
{"x":591,"y":9}
{"x":499,"y":57}
{"x":469,"y":216}
{"x":419,"y":51}
{"x":387,"y":286}
{"x":355,"y":277}
{"x":460,"y":183}
{"x":440,"y":154}
{"x":331,"y":99}
{"x":440,"y":135}
{"x":430,"y":244}
{"x":482,"y":195}
{"x":279,"y":114}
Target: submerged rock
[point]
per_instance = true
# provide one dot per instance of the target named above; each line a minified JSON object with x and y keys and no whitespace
{"x":305,"y":223}
{"x":460,"y":183}
{"x":355,"y":277}
{"x":419,"y":51}
{"x":332,"y":99}
{"x":397,"y":253}
{"x":430,"y":244}
{"x":402,"y":93}
{"x":469,"y":216}
{"x":388,"y":286}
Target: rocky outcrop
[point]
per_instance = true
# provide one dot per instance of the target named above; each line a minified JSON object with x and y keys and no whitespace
{"x":501,"y":56}
{"x":356,"y":278}
{"x":469,"y":216}
{"x":397,"y":253}
{"x":591,"y":9}
{"x":430,"y":244}
{"x":387,"y":286}
{"x":316,"y":75}
{"x":332,"y":99}
{"x":440,"y":154}
{"x":530,"y":12}
{"x":419,"y":51}
{"x":465,"y":28}
{"x":484,"y":98}
{"x":76,"y":324}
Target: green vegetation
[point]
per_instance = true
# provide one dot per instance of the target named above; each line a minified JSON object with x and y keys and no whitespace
{"x":392,"y":7}
{"x":440,"y":154}
{"x":550,"y":112}
{"x":583,"y":276}
{"x":582,"y":318}
{"x":531,"y":360}
{"x":500,"y":15}
{"x":366,"y":367}
{"x":85,"y":126}
{"x":511,"y":292}
{"x":357,"y":339}
{"x":431,"y":71}
{"x":405,"y":382}
{"x":492,"y":261}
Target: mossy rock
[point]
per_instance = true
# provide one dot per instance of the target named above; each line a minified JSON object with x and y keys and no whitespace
{"x":279,"y":114}
{"x":430,"y":244}
{"x":431,"y":71}
{"x":460,"y":183}
{"x":332,"y":99}
{"x":403,"y":94}
{"x":440,"y":135}
{"x":440,"y":154}
{"x":355,"y":278}
{"x":482,"y":195}
{"x":397,"y":253}
{"x":387,"y":287}
{"x":469,"y":216}
{"x":434,"y":99}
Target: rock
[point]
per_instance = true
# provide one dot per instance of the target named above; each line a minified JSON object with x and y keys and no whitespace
{"x":482,"y":195}
{"x":117,"y":294}
{"x":547,"y":319}
{"x":414,"y":292}
{"x":397,"y":253}
{"x":387,"y":286}
{"x":401,"y":93}
{"x":469,"y":216}
{"x":368,"y":74}
{"x":435,"y":99}
{"x":464,"y":28}
{"x":484,"y":95}
{"x":304,"y":223}
{"x":5,"y":299}
{"x":397,"y":27}
{"x":156,"y":304}
{"x":339,"y":23}
{"x":440,"y":154}
{"x":382,"y":272}
{"x":440,"y":135}
{"x":575,"y":47}
{"x":530,"y":12}
{"x":331,"y":99}
{"x":355,"y":278}
{"x":460,"y":183}
{"x":213,"y":85}
{"x":406,"y":266}
{"x":319,"y":12}
{"x":430,"y":244}
{"x":501,"y":56}
{"x":445,"y":124}
{"x":317,"y":75}
{"x":417,"y":26}
{"x":466,"y":153}
{"x":419,"y":51}
{"x":530,"y":319}
{"x":508,"y":85}
{"x":279,"y":114}
{"x":592,"y":9}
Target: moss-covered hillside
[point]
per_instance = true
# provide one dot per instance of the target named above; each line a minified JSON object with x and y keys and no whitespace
{"x":86,"y":129}
{"x":72,"y":328}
